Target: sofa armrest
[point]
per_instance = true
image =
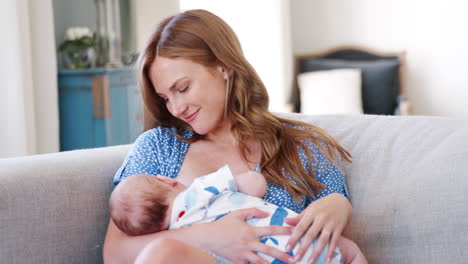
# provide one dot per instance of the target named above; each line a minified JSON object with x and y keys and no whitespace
{"x":53,"y":207}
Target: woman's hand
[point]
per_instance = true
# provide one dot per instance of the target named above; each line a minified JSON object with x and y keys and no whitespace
{"x":238,"y":242}
{"x":326,"y":217}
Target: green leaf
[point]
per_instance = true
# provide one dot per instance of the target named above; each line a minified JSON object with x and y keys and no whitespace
{"x":78,"y":44}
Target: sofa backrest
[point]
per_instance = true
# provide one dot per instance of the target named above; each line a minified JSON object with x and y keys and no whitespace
{"x":53,"y":207}
{"x":408,"y":184}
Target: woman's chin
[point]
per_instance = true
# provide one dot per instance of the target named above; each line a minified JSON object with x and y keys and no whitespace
{"x":200,"y":130}
{"x":205,"y":127}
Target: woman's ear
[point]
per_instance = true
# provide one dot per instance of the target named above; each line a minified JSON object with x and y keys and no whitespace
{"x":225,"y":71}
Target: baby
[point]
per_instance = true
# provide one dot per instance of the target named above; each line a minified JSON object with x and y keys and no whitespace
{"x":143,"y":204}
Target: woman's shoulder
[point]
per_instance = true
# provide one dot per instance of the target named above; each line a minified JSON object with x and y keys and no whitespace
{"x":164,"y":131}
{"x":162,"y":135}
{"x":307,"y":140}
{"x":156,"y":151}
{"x":313,"y":144}
{"x":292,"y":124}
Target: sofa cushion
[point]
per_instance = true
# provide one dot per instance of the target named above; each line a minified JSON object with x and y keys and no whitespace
{"x":331,"y":92}
{"x":379,"y":80}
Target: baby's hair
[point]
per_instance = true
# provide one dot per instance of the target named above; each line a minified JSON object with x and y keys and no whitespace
{"x":138,"y":205}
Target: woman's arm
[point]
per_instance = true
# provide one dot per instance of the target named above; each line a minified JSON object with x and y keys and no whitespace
{"x":327,"y":216}
{"x":229,"y":237}
{"x":122,"y":248}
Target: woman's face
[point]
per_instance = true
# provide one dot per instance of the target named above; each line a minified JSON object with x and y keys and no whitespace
{"x":192,"y":92}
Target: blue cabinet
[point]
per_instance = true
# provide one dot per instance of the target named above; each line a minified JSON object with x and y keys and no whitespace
{"x":99,"y":107}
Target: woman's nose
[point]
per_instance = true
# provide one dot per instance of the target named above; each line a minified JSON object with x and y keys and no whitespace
{"x":178,"y":108}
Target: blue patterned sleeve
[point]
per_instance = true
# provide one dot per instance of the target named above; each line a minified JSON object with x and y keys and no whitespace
{"x":326,"y":173}
{"x":143,"y":157}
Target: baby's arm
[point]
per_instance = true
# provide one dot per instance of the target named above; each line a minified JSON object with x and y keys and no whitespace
{"x":251,"y":183}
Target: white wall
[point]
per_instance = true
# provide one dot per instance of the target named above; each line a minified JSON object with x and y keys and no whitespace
{"x":146,"y":14}
{"x":263,"y":28}
{"x":433,"y":33}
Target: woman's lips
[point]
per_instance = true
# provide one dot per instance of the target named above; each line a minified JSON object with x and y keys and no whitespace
{"x":191,"y":117}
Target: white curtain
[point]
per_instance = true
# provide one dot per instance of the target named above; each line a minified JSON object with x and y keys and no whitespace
{"x":28,"y":91}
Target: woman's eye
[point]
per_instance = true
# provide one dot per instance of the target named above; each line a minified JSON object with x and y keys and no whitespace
{"x":166,"y":100}
{"x":184,"y":89}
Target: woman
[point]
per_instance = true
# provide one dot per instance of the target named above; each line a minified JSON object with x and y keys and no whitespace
{"x":212,"y":109}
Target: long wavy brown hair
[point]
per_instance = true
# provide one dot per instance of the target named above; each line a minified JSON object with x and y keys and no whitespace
{"x":204,"y":38}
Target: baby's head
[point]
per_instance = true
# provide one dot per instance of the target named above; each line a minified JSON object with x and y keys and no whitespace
{"x":141,"y":203}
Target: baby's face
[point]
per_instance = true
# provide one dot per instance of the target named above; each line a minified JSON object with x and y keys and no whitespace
{"x":176,"y":188}
{"x":173,"y":183}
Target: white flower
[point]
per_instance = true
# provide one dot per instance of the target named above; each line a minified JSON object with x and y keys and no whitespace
{"x":73,"y":33}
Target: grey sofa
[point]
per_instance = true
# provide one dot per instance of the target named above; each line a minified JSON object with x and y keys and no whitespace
{"x":408,"y":184}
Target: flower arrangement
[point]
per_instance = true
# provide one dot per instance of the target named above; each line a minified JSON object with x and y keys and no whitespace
{"x":79,"y":48}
